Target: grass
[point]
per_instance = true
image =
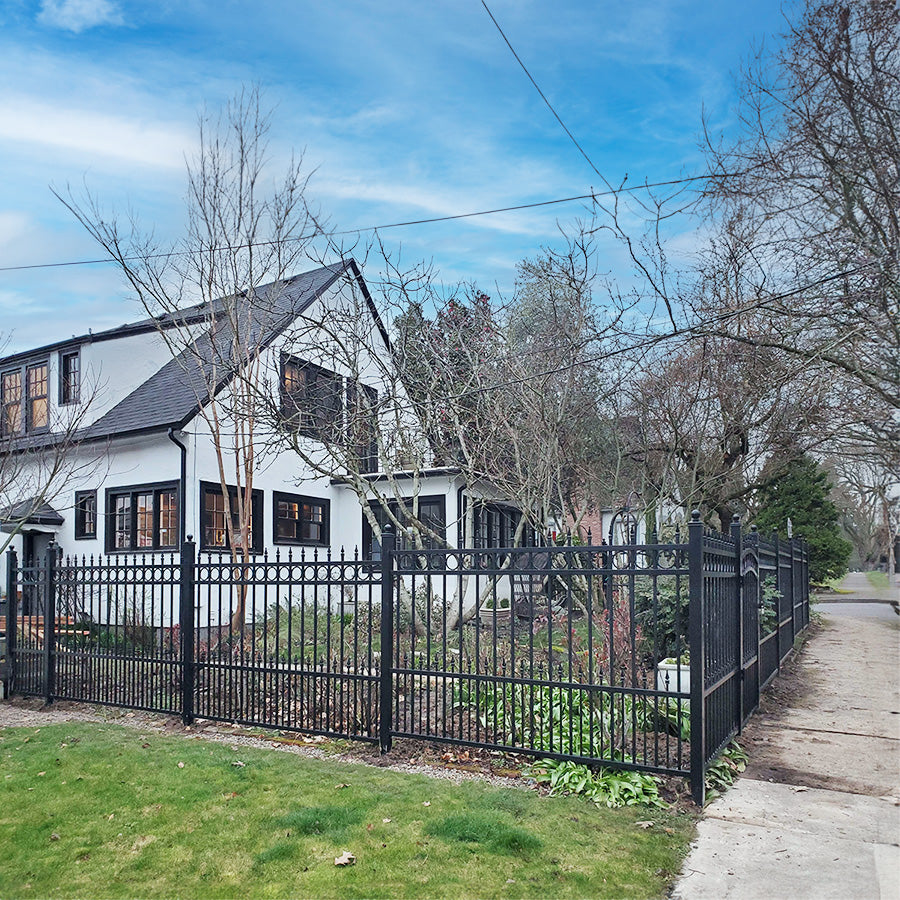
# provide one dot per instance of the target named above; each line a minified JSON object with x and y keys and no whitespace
{"x":102,"y":810}
{"x":878,"y":580}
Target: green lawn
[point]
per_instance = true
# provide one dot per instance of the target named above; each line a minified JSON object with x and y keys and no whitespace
{"x":101,"y":810}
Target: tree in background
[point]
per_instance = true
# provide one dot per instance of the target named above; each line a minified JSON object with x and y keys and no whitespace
{"x":802,"y":494}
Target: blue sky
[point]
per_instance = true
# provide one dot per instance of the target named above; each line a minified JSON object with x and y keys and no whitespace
{"x":406,"y":110}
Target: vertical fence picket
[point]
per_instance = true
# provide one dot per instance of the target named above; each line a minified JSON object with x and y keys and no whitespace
{"x":696,"y":638}
{"x":12,"y":613}
{"x":739,"y":611}
{"x":186,"y":627}
{"x":386,"y":691}
{"x":50,"y":623}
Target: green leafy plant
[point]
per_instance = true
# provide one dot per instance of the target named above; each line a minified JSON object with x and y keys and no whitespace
{"x":605,"y":787}
{"x":724,"y":770}
{"x":768,"y":612}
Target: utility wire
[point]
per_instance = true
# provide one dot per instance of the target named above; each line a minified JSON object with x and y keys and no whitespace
{"x":469,"y":215}
{"x":544,"y":96}
{"x":648,"y":342}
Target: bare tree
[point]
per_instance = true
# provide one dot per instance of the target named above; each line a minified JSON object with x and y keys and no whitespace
{"x":206,"y":293}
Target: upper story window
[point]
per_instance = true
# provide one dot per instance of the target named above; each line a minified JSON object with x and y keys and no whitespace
{"x":142,"y":518}
{"x":300,"y":520}
{"x":11,"y":401}
{"x":214,"y":531}
{"x":312,"y":398}
{"x":24,"y":399}
{"x":69,"y":377}
{"x":85,"y":515}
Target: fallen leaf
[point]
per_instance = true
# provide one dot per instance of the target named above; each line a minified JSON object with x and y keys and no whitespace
{"x":238,"y":764}
{"x":385,"y":821}
{"x":345,"y":859}
{"x":645,"y":824}
{"x":341,"y":786}
{"x":54,"y":836}
{"x":41,"y":773}
{"x":798,"y":790}
{"x":181,"y":765}
{"x":369,"y":827}
{"x":110,"y":817}
{"x":427,"y":803}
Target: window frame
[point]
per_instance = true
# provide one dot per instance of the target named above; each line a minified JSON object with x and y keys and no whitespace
{"x":64,"y":383}
{"x":80,"y":514}
{"x":30,"y":427}
{"x":303,"y":421}
{"x":24,"y":402}
{"x":368,"y":536}
{"x":132,"y":491}
{"x":256,"y":515}
{"x":301,"y":499}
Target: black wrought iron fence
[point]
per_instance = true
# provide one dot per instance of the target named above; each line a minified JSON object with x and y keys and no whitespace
{"x":645,"y":656}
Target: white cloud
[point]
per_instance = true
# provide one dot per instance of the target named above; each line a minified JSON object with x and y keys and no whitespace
{"x":60,"y":127}
{"x":78,"y":15}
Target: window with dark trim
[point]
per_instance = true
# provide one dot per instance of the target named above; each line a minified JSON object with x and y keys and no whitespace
{"x":495,"y":526}
{"x":24,"y":398}
{"x":214,"y":531}
{"x":37,"y":409}
{"x":85,"y":515}
{"x":300,"y":520}
{"x":312,"y":398}
{"x":432,"y":514}
{"x":69,"y":377}
{"x":11,"y":401}
{"x":141,"y":518}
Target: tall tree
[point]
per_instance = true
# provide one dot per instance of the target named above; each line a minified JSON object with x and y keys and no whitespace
{"x":802,"y":495}
{"x":204,"y":292}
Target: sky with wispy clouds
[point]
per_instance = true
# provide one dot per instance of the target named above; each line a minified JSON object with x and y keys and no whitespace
{"x":404,"y":110}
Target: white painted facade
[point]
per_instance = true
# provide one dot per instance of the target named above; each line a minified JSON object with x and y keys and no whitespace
{"x":114,"y":365}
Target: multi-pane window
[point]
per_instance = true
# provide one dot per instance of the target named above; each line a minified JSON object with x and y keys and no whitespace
{"x":37,"y":411}
{"x":143,"y":518}
{"x":362,"y":404}
{"x":11,"y":402}
{"x":431,"y":513}
{"x":312,"y":399}
{"x":85,"y":515}
{"x":69,"y":377}
{"x":300,"y":520}
{"x":496,"y":525}
{"x":214,"y":532}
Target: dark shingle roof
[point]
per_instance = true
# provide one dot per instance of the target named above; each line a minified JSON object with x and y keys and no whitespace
{"x":27,"y":512}
{"x":173,"y":395}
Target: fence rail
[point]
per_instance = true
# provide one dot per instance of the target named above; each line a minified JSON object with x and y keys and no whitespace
{"x":640,"y":656}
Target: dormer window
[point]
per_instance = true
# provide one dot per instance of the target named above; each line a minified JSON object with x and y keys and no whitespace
{"x":312,"y":399}
{"x":37,"y":410}
{"x":24,"y":399}
{"x":69,"y":377}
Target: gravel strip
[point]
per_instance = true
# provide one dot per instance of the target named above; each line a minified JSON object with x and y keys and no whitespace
{"x":33,"y":713}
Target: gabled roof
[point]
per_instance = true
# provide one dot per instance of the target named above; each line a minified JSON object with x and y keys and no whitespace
{"x":173,"y":395}
{"x":30,"y":512}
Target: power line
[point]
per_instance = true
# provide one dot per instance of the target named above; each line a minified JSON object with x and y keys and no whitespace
{"x":651,"y":341}
{"x":544,"y":96}
{"x":469,"y":215}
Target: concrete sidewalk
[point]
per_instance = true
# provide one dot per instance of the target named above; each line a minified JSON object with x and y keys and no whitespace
{"x":817,"y":814}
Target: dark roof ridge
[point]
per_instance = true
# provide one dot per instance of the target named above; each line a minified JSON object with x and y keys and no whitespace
{"x":152,"y":324}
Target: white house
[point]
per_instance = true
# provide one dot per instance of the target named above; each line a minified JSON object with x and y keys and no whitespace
{"x":150,"y":477}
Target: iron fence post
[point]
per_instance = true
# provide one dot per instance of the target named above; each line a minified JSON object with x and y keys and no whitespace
{"x":778,"y":599}
{"x":186,"y":623}
{"x":50,"y":623}
{"x":696,"y":616}
{"x":791,"y":582}
{"x":758,"y":600}
{"x":385,"y":687}
{"x":12,"y":611}
{"x":739,"y":602}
